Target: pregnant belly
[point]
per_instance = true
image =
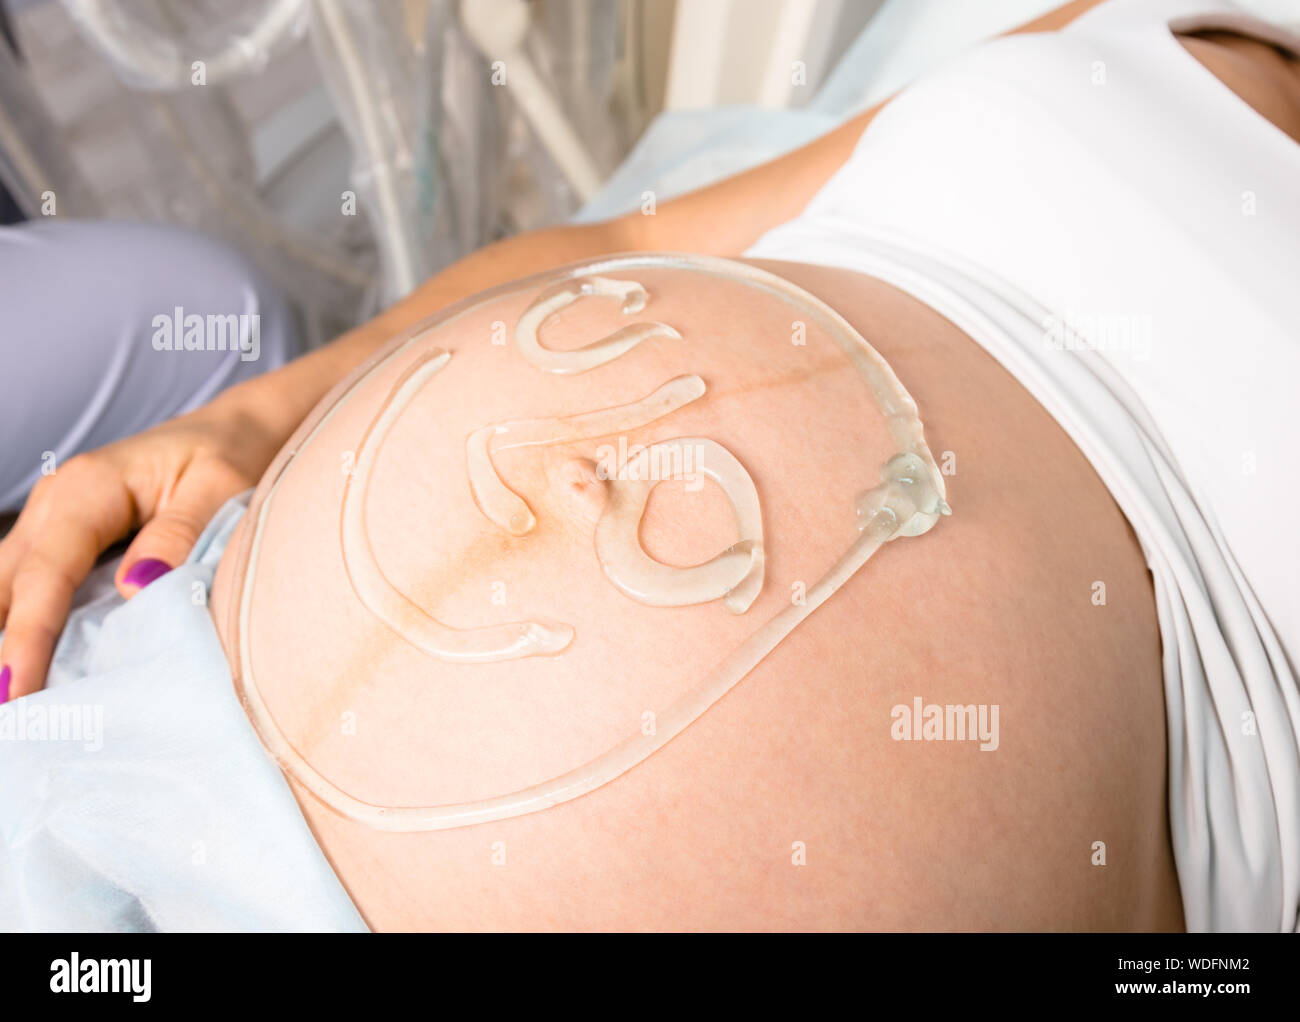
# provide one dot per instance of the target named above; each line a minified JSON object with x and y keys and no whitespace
{"x":478,"y":577}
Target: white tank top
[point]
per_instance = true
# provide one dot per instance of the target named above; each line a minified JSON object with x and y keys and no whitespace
{"x":1099,"y":188}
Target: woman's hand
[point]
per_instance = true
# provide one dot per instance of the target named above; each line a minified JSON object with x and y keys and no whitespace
{"x":168,"y":481}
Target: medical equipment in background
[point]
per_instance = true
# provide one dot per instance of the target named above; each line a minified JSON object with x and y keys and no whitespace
{"x":268,"y":122}
{"x":498,"y":28}
{"x":772,"y":54}
{"x":442,"y":124}
{"x":182,"y":156}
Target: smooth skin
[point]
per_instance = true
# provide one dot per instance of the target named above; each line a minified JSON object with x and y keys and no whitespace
{"x":168,"y":481}
{"x":786,"y":805}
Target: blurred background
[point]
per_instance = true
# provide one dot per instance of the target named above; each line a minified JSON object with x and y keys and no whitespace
{"x":350,"y":148}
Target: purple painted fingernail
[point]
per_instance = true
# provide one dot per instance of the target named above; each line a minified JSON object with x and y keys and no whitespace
{"x":148,"y":570}
{"x":4,"y":683}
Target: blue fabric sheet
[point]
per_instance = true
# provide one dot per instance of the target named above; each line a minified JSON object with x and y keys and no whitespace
{"x":149,"y":803}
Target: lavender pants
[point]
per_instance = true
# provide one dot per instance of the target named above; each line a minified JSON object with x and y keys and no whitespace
{"x":107,"y":328}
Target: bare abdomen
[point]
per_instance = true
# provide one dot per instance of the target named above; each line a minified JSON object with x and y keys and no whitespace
{"x":807,"y":797}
